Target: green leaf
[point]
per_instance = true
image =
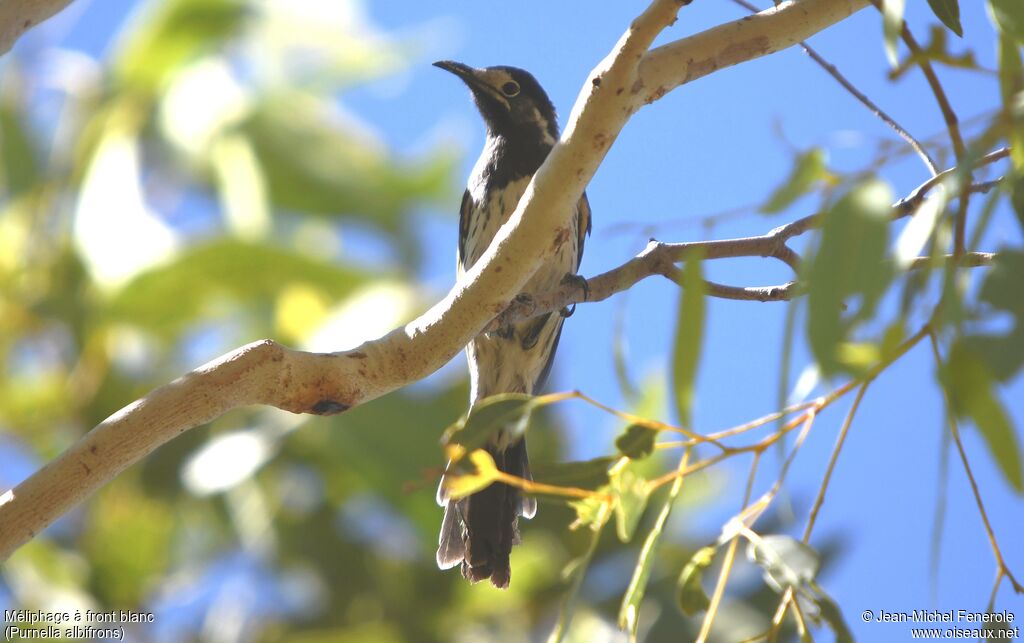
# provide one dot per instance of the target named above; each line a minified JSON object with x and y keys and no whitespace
{"x":315,"y":166}
{"x":850,"y":261}
{"x":808,"y":169}
{"x":487,"y":417}
{"x":629,"y":611}
{"x":637,"y":442}
{"x":631,"y":493}
{"x":688,"y":338}
{"x":176,"y":33}
{"x":19,"y":162}
{"x":461,"y":481}
{"x":1017,"y":197}
{"x":1009,"y":16}
{"x":690,"y":590}
{"x":574,"y":572}
{"x":785,"y":561}
{"x":1003,"y":354}
{"x":970,"y":385}
{"x":586,"y":474}
{"x":832,"y":615}
{"x":1011,"y":87}
{"x":166,"y":299}
{"x":590,"y":512}
{"x":892,"y":25}
{"x":948,"y":11}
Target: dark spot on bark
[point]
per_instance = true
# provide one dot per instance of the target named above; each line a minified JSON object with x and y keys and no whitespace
{"x":596,"y":81}
{"x":600,"y":141}
{"x":86,"y":467}
{"x":28,"y":23}
{"x":618,"y":92}
{"x":93,"y":450}
{"x":329,"y":407}
{"x":497,"y":269}
{"x":357,"y":355}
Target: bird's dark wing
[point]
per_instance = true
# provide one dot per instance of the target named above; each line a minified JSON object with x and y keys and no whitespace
{"x":583,"y":223}
{"x":465,"y":211}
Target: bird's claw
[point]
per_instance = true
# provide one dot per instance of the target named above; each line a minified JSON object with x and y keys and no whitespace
{"x":575,"y":281}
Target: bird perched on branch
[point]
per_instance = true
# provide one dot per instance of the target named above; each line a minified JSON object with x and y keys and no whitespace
{"x":478,"y":531}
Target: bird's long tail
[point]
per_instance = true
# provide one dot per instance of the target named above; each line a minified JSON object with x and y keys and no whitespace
{"x":478,"y":531}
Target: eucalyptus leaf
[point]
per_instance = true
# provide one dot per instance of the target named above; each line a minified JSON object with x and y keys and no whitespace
{"x":971,"y":391}
{"x":690,"y":592}
{"x":785,"y":561}
{"x":631,"y":493}
{"x":168,"y":298}
{"x":850,"y":262}
{"x":507,"y":411}
{"x":688,"y":339}
{"x":637,"y":442}
{"x":808,"y":169}
{"x":948,"y":11}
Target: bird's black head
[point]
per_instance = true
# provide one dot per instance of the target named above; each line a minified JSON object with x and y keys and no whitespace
{"x":512,"y":102}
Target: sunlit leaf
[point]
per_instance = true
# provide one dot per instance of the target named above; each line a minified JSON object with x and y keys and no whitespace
{"x":688,"y":339}
{"x":507,"y":411}
{"x":785,"y":561}
{"x":808,"y":169}
{"x":175,"y":33}
{"x":850,"y":261}
{"x":468,"y":481}
{"x":948,"y":11}
{"x":168,"y":298}
{"x":629,"y":611}
{"x":315,"y":163}
{"x":591,"y":512}
{"x":631,"y":493}
{"x":127,"y":539}
{"x":892,"y":25}
{"x":1009,"y":15}
{"x":690,"y":590}
{"x":637,"y":442}
{"x":971,"y":390}
{"x":1011,"y":86}
{"x":919,"y":229}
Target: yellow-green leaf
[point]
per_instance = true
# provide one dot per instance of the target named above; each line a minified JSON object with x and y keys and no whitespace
{"x":690,"y":590}
{"x":808,"y":169}
{"x":688,"y":339}
{"x":460,"y":484}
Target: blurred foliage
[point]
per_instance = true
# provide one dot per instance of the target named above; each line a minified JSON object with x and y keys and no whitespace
{"x":197,"y":191}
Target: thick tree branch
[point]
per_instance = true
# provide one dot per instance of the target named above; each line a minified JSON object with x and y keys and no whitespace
{"x":18,"y":16}
{"x":266,"y":373}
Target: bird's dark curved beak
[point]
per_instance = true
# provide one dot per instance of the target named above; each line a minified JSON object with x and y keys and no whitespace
{"x":465,"y":72}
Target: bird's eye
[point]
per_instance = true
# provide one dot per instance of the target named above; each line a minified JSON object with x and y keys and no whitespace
{"x":510,"y":89}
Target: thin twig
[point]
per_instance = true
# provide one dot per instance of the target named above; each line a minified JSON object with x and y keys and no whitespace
{"x":660,"y":258}
{"x":860,"y":96}
{"x":840,"y":439}
{"x":954,"y":430}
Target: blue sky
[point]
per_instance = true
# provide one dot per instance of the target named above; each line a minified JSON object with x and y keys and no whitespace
{"x":721,"y":143}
